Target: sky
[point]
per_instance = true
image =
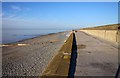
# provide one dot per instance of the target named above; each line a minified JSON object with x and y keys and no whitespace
{"x":58,"y":15}
{"x":60,"y":0}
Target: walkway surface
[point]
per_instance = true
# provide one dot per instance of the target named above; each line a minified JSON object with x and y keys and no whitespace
{"x":95,"y":57}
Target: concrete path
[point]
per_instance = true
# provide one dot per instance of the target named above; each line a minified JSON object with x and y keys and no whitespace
{"x":95,"y":57}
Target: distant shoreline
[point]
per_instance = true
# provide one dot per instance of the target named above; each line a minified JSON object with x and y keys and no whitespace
{"x":32,"y":38}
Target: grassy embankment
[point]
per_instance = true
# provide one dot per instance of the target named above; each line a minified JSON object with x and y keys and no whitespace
{"x":106,"y":27}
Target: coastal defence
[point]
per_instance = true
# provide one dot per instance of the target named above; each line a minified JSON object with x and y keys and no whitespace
{"x":60,"y":64}
{"x":108,"y":35}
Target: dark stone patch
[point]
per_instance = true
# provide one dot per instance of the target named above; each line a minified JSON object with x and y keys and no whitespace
{"x":88,"y":52}
{"x":119,"y":28}
{"x":104,"y":66}
{"x":82,"y":46}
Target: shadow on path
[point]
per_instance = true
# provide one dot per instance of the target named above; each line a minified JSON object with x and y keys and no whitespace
{"x":73,"y":58}
{"x":118,"y":72}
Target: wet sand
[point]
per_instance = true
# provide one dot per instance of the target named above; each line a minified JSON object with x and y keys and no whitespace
{"x":31,"y":58}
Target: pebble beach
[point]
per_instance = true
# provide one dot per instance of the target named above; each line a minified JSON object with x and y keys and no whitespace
{"x":30,"y":57}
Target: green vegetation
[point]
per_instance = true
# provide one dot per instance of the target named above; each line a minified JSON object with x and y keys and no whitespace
{"x":106,"y":27}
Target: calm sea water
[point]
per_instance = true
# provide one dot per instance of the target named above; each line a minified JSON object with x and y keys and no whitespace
{"x":13,"y":35}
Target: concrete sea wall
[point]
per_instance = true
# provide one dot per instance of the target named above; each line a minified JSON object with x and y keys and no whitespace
{"x":109,"y":35}
{"x":60,"y":64}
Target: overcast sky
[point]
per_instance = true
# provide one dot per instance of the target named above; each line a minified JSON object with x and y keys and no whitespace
{"x":58,"y":15}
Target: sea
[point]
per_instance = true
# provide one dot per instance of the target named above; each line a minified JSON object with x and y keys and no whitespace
{"x":14,"y":35}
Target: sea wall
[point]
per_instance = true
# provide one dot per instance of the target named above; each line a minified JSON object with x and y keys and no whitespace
{"x":109,"y":35}
{"x":60,"y":64}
